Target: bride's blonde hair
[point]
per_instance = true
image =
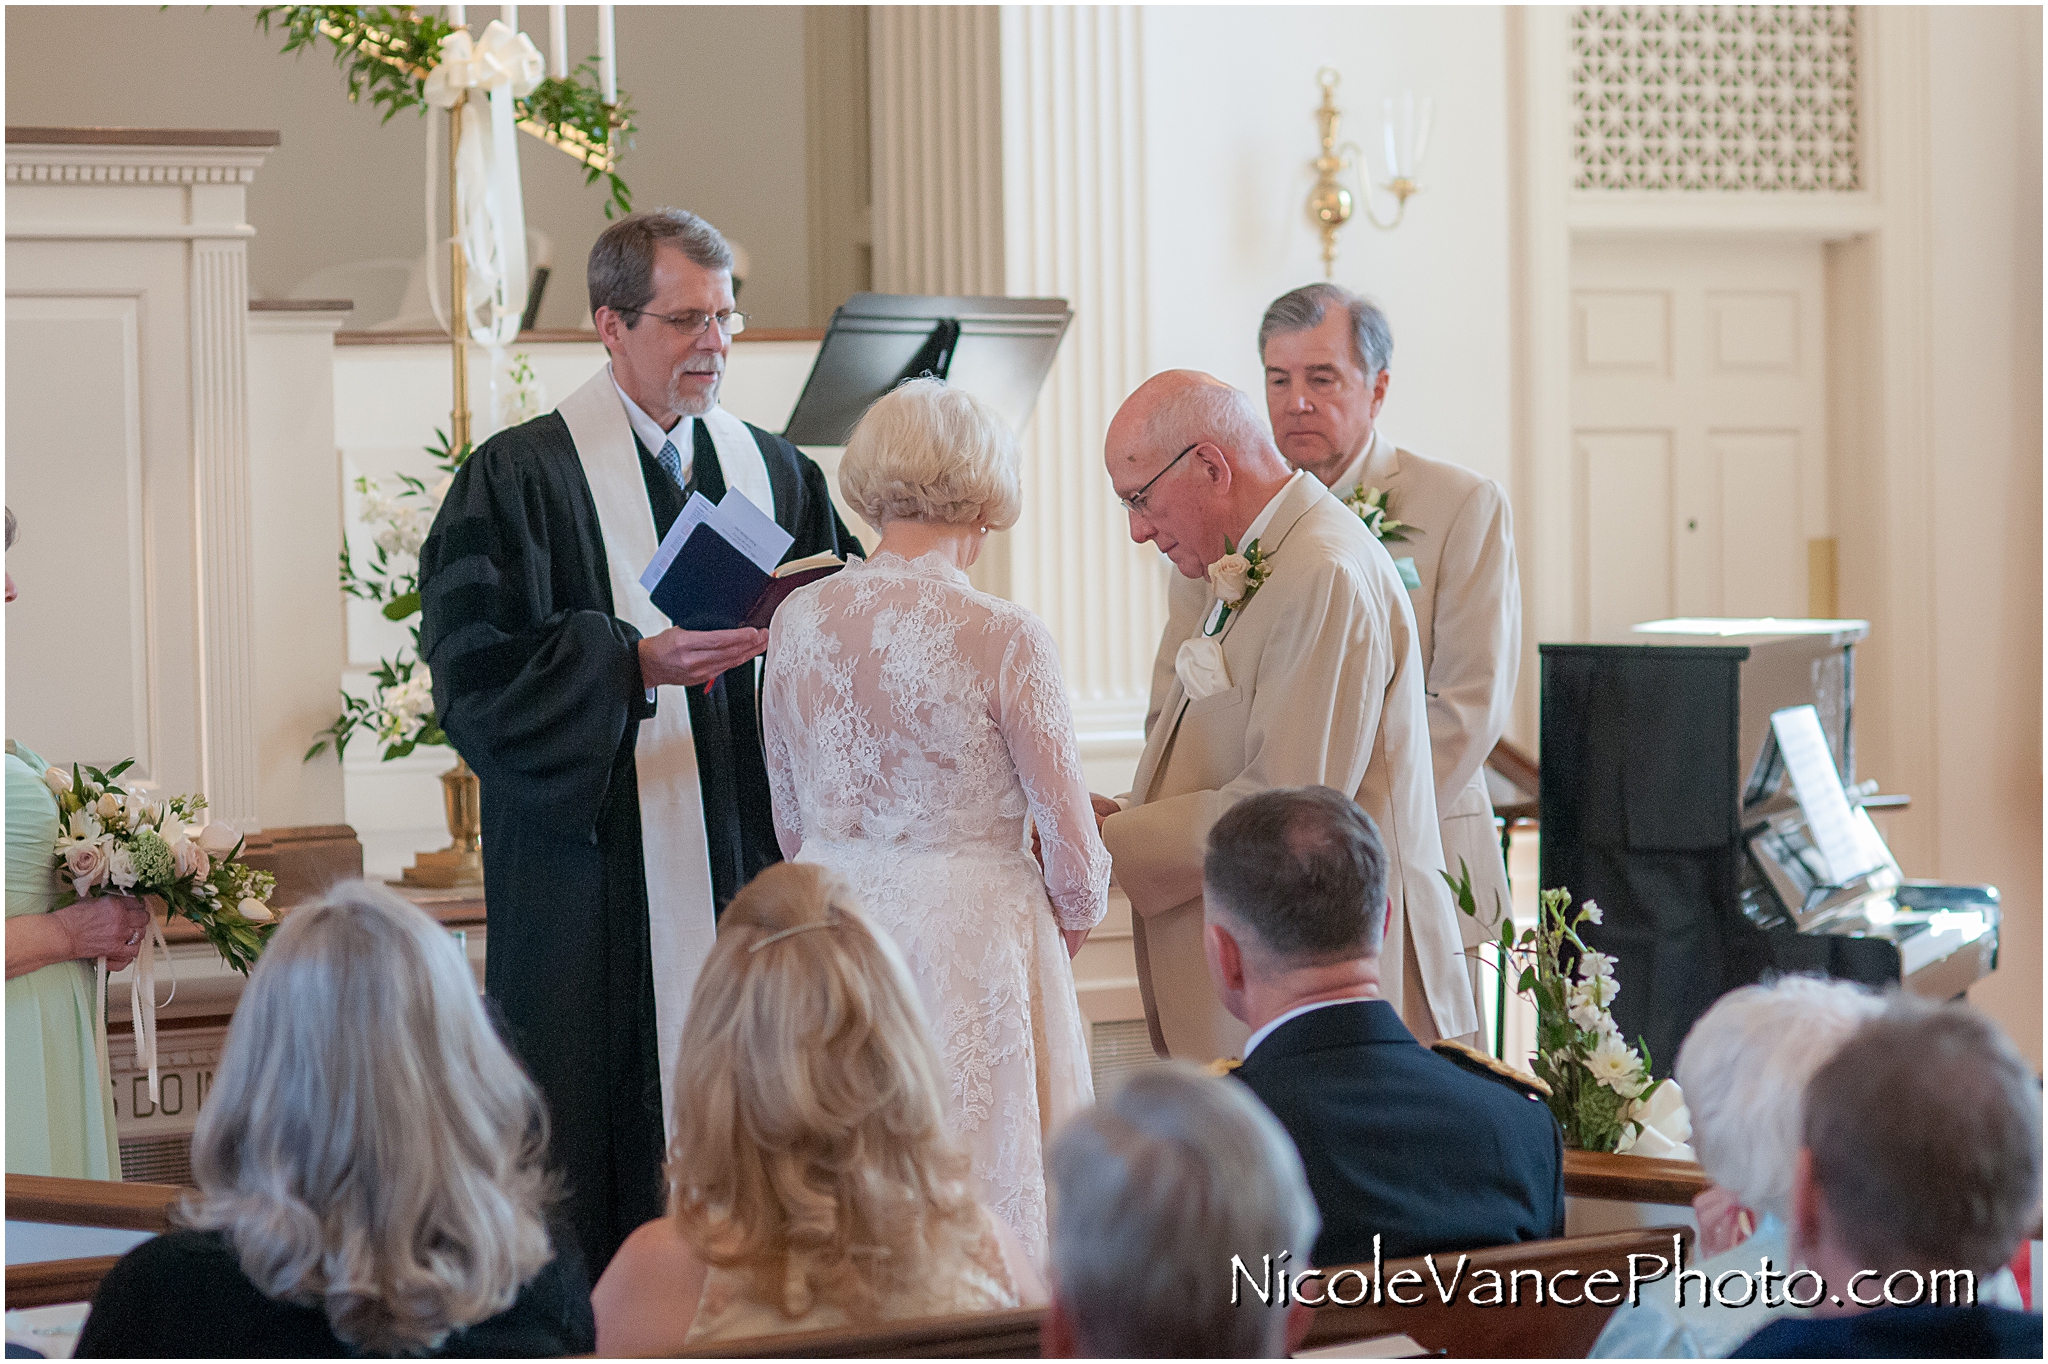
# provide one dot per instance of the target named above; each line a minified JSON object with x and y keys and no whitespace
{"x":811,"y":1149}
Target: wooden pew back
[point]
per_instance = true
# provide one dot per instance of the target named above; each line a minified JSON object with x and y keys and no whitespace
{"x":1525,"y":1328}
{"x":1529,"y":1325}
{"x":79,"y":1203}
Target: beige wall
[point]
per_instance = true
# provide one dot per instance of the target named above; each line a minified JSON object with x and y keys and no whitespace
{"x":1984,"y":388}
{"x":719,"y":91}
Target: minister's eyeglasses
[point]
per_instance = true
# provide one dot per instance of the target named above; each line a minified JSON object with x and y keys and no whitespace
{"x":1135,"y":503}
{"x":694,"y":324}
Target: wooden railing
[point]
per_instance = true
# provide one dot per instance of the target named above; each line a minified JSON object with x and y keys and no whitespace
{"x":79,"y":1203}
{"x":1632,"y":1179}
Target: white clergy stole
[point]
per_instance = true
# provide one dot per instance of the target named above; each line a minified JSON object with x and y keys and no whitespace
{"x":681,"y":924}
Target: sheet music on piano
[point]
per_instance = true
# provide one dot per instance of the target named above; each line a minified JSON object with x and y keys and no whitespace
{"x":1843,"y":838}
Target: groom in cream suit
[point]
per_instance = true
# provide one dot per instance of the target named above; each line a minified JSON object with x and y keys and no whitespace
{"x":1326,"y":353}
{"x":1303,"y":671}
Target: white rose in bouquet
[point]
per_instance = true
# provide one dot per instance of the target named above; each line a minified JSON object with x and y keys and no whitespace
{"x":58,"y":780}
{"x":189,"y":859}
{"x":87,"y":866}
{"x":1228,"y":575}
{"x":108,"y":806}
{"x":218,"y":839}
{"x":121,"y":868}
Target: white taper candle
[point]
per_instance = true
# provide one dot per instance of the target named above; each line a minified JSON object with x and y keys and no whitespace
{"x":1422,"y":135}
{"x":1387,"y":134}
{"x":558,"y":40}
{"x":607,"y":55}
{"x":458,"y":15}
{"x":510,"y":14}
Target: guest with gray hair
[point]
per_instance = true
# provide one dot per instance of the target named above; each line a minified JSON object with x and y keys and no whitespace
{"x":1326,"y":353}
{"x":1408,"y":1151}
{"x":1744,"y":1068}
{"x":1296,"y":663}
{"x":1154,"y":1191}
{"x":1919,"y":1173}
{"x":370,"y":1166}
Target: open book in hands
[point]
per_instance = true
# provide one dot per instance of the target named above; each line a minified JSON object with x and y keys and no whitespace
{"x":717,"y":566}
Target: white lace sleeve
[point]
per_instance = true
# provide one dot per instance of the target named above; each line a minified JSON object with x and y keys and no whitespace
{"x":776,"y":722}
{"x":1038,"y":725}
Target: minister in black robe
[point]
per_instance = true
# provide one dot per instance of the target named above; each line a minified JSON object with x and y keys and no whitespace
{"x":540,"y":686}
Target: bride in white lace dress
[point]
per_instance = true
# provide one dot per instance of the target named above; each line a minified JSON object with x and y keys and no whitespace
{"x":918,"y":732}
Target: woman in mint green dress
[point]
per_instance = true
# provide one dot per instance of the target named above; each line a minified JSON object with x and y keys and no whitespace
{"x":60,"y":1109}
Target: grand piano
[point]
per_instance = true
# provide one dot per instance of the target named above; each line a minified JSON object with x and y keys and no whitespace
{"x":1699,"y":781}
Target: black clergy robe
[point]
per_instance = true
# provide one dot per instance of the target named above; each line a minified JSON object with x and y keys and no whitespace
{"x":537,"y":684}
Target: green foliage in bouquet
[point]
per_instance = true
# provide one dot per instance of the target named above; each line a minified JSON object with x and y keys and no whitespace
{"x":114,"y":841}
{"x":1595,"y":1077}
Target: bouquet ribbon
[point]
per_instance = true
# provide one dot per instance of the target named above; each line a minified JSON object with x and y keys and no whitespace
{"x":142,"y":1005}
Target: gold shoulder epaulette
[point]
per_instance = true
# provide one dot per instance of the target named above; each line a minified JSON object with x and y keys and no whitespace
{"x":1493,"y":1068}
{"x":1223,"y":1065}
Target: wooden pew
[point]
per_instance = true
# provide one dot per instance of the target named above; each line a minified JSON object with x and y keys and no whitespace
{"x":1527,"y":1329}
{"x":1632,"y":1179}
{"x":79,"y":1203}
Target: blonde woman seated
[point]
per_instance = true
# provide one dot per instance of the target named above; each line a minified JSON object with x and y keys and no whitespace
{"x":370,"y":1164}
{"x":918,"y":734}
{"x":814,"y":1183}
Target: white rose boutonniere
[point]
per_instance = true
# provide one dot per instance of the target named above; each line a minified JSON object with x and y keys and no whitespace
{"x":1235,"y":578}
{"x":1375,"y":507}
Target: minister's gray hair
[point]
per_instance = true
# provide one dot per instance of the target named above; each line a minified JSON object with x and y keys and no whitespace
{"x":1298,"y":310}
{"x":621,"y":274}
{"x":369,"y":1147}
{"x":1744,"y":1067}
{"x":1925,"y":1134}
{"x":1153,"y":1191}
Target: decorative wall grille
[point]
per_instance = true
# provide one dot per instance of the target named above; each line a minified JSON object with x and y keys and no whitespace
{"x":1715,"y":97}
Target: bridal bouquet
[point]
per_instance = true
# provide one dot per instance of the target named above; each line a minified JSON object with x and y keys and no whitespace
{"x":114,"y":841}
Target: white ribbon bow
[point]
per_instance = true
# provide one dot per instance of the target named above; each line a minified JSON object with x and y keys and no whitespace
{"x":1666,"y":1125}
{"x":142,"y":1005}
{"x":503,"y":65}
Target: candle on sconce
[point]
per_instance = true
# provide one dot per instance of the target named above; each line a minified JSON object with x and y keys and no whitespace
{"x":607,"y":54}
{"x":558,"y":40}
{"x":458,"y":15}
{"x":1387,"y":135}
{"x":1421,"y":136}
{"x":510,"y":14}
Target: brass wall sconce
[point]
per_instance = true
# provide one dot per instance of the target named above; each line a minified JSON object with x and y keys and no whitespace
{"x":1331,"y":203}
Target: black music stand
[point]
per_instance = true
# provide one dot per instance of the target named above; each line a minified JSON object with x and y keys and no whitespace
{"x":998,"y":349}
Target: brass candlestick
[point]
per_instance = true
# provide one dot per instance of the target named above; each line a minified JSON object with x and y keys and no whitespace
{"x":461,"y":863}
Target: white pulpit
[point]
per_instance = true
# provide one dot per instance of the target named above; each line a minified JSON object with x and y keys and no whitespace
{"x":128,"y":454}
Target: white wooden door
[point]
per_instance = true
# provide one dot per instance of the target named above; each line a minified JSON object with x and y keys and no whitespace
{"x":1698,"y":414}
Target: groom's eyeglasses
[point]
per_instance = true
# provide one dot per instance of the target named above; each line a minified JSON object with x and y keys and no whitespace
{"x":695,"y":324}
{"x":1135,"y":503}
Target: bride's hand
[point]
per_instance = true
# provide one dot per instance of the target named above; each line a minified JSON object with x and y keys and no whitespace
{"x":1104,"y":808}
{"x":1073,"y":938}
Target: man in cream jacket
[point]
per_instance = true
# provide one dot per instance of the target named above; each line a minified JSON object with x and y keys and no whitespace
{"x":1298,"y":666}
{"x":1326,"y":353}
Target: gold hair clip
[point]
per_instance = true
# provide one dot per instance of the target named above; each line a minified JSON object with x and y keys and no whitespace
{"x":778,"y":937}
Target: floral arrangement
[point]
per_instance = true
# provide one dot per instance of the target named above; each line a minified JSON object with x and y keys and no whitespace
{"x":1236,"y":577}
{"x":387,"y":52}
{"x":1599,"y":1084}
{"x":1374,"y":507}
{"x":120,"y":842}
{"x":400,"y":709}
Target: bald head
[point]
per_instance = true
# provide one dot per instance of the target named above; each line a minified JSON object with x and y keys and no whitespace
{"x":1214,"y":461}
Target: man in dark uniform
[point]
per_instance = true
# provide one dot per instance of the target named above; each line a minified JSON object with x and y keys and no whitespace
{"x":625,"y":798}
{"x":1398,"y":1141}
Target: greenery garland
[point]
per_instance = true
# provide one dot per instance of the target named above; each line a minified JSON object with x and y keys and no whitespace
{"x":387,"y":52}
